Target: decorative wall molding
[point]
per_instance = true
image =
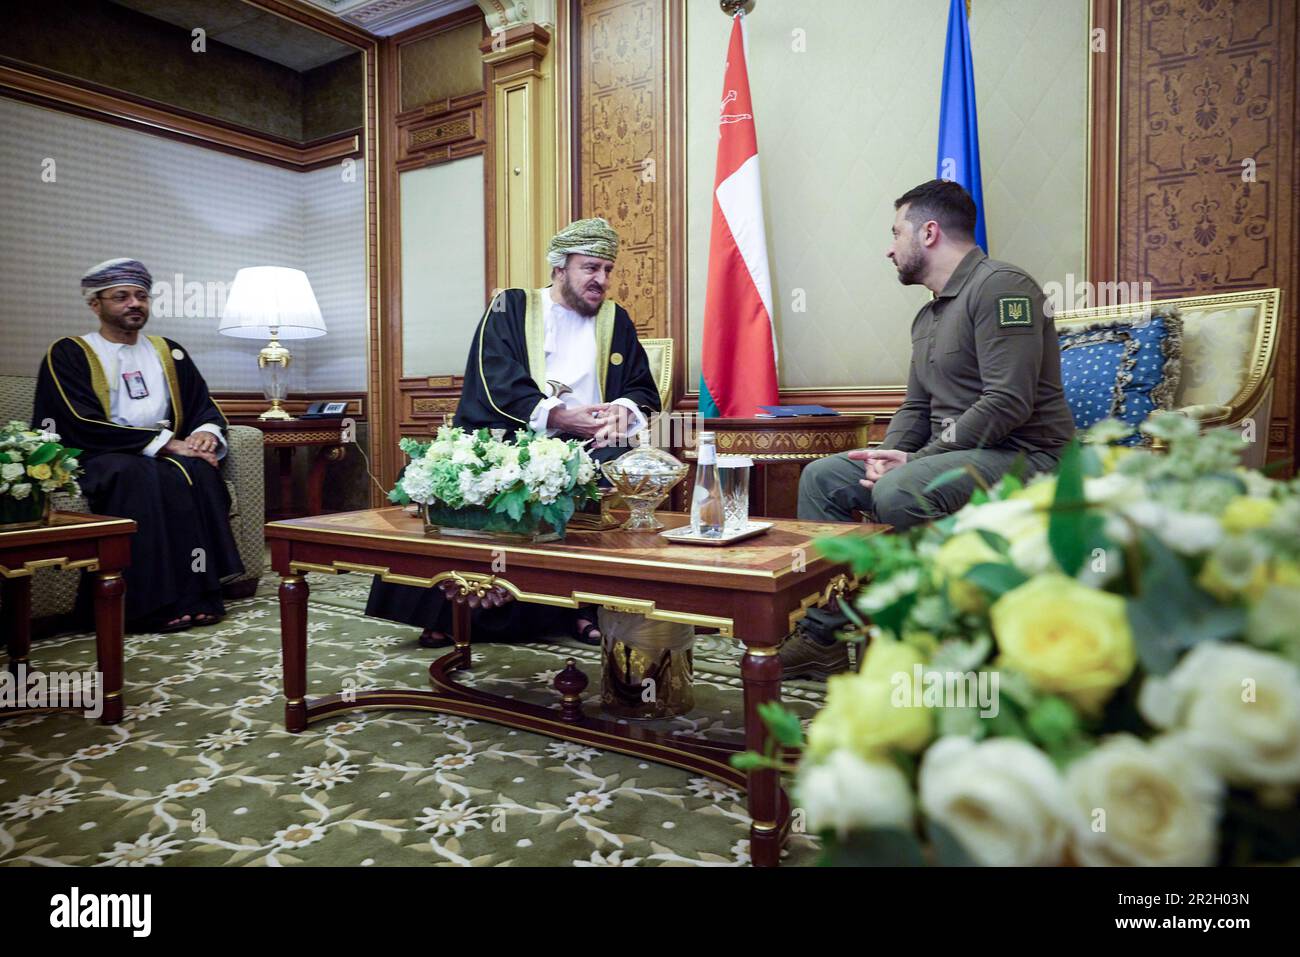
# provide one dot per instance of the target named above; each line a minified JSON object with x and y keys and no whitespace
{"x":503,"y":14}
{"x":426,"y":401}
{"x":36,"y":86}
{"x":627,"y":140}
{"x":1207,"y":158}
{"x":424,"y":135}
{"x":243,"y":408}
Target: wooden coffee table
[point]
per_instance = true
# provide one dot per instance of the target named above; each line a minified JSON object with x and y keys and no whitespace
{"x":96,"y":543}
{"x":754,"y":591}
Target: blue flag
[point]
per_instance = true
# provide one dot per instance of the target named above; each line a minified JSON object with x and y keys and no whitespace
{"x":959,"y":136}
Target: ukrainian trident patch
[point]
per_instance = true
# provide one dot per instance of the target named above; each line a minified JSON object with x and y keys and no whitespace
{"x":1014,"y":311}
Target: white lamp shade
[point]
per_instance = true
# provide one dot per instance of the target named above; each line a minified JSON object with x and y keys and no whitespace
{"x":271,"y":299}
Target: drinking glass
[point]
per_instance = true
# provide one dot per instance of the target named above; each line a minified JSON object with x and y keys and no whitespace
{"x":733,"y":476}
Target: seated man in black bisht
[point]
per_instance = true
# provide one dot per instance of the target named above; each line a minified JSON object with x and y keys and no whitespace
{"x":565,"y":361}
{"x":151,"y":438}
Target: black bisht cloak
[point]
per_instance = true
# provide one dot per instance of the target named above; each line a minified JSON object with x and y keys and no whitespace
{"x":180,"y":503}
{"x":504,"y":375}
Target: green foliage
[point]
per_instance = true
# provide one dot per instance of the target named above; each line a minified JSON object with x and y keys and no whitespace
{"x":995,"y":579}
{"x":1169,"y":614}
{"x":1073,"y":530}
{"x":45,"y":454}
{"x":782,"y":723}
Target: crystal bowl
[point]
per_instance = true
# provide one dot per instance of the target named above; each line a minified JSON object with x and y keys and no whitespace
{"x":644,"y":477}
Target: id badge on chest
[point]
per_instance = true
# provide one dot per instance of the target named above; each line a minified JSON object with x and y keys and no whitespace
{"x":135,"y":386}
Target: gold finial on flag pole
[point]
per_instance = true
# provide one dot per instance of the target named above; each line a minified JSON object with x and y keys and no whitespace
{"x":732,"y":7}
{"x":967,"y":9}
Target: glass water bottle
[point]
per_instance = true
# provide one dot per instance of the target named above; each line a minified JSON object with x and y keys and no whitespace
{"x":707,"y":517}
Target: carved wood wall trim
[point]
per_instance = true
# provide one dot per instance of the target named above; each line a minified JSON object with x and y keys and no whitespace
{"x":621,"y":131}
{"x":1204,"y":85}
{"x":243,"y":408}
{"x":443,"y":130}
{"x":34,"y":85}
{"x":426,"y":401}
{"x":1102,"y":224}
{"x":446,"y":130}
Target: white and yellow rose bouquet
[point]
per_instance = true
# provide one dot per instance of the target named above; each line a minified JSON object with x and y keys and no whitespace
{"x":33,"y":466}
{"x":476,"y":480}
{"x":1101,"y":667}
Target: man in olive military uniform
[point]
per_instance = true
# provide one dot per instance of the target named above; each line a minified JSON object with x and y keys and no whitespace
{"x":984,"y":389}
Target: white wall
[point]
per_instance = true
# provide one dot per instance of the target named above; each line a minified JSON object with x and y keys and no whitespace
{"x":851,"y":122}
{"x":180,"y":209}
{"x":443,"y":271}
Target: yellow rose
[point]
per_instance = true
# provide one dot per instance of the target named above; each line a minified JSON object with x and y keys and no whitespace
{"x":955,"y":558}
{"x":860,"y":714}
{"x":1224,"y":576}
{"x":1066,"y":638}
{"x":1040,"y":493}
{"x":39,"y":472}
{"x":1112,"y":455}
{"x":1245,"y":514}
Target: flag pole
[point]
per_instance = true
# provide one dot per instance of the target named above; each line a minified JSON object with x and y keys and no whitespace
{"x":732,"y":7}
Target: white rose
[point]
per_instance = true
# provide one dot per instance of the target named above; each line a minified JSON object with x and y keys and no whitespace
{"x":1188,"y":533}
{"x":995,"y":516}
{"x":463,"y":455}
{"x":417,"y":480}
{"x":1238,"y":707}
{"x":1144,"y":804}
{"x":846,"y":793}
{"x":471,"y":488}
{"x":1030,"y":551}
{"x":1114,"y":489}
{"x":1002,"y":799}
{"x":12,"y":470}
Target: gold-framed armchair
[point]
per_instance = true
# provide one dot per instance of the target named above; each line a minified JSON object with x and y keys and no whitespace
{"x":1229,"y":348}
{"x":660,"y":354}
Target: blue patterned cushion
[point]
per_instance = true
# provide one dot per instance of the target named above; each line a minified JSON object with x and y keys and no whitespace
{"x":1122,"y":368}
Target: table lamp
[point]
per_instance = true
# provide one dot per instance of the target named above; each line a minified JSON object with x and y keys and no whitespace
{"x":273,"y":302}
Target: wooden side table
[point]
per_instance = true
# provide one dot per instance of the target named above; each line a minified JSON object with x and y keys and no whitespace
{"x":286,"y":435}
{"x":781,"y":449}
{"x":96,"y":543}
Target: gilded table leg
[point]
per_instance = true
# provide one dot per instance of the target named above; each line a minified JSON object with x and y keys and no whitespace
{"x":293,"y":648}
{"x":761,"y":671}
{"x":461,"y":628}
{"x":110,"y":591}
{"x":16,"y":616}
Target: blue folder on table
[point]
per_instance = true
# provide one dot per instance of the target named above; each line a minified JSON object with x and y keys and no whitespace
{"x":787,"y":411}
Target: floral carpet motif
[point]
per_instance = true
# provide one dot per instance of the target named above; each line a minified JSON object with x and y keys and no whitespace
{"x":202,"y":772}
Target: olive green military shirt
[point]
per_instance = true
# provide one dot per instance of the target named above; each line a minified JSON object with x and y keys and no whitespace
{"x":986,"y":368}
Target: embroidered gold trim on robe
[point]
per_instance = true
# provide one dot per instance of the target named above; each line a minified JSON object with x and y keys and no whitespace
{"x":535,"y":337}
{"x":173,"y":384}
{"x":98,"y":380}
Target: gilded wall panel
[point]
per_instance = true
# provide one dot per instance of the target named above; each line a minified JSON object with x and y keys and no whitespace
{"x":1208,"y":158}
{"x":621,"y":115}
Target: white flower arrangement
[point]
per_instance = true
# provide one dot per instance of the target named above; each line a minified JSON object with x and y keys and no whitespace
{"x":33,"y":465}
{"x":1139,"y":609}
{"x":543,"y":478}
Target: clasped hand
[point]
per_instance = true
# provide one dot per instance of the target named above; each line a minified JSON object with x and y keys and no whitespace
{"x":200,"y":445}
{"x":878,"y":462}
{"x":607,"y":422}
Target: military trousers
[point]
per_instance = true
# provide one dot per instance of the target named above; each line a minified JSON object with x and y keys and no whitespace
{"x":830,"y":489}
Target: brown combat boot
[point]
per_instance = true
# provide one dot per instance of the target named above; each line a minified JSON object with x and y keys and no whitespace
{"x":804,"y":657}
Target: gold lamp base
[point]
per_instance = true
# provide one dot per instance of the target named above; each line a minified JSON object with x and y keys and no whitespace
{"x":275,"y":356}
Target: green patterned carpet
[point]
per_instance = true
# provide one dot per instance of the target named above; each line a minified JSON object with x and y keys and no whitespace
{"x":201,"y":772}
